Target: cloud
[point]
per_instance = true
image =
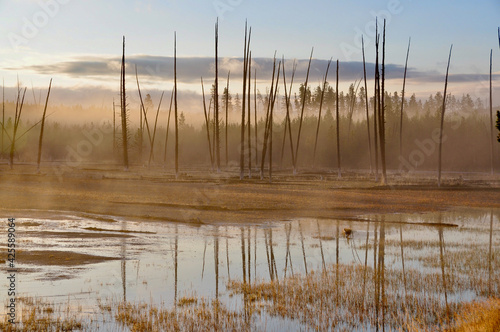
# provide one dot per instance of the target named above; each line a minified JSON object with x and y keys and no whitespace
{"x":190,"y":69}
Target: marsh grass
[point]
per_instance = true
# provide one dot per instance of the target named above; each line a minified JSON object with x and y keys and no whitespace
{"x":199,"y":315}
{"x":35,"y":314}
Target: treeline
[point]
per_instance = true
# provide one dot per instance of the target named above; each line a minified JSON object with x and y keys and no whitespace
{"x":466,"y":145}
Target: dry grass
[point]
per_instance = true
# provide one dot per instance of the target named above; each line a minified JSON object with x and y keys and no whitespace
{"x":478,"y":316}
{"x":36,"y":315}
{"x":201,"y":315}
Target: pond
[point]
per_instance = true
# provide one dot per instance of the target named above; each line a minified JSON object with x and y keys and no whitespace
{"x":77,"y":262}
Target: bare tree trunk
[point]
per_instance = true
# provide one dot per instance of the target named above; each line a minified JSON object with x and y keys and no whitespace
{"x":376,"y":101}
{"x":3,"y":115}
{"x":287,"y":117}
{"x":302,"y":114}
{"x":320,"y":108}
{"x":442,"y":118}
{"x":249,"y":119}
{"x":492,"y":139}
{"x":207,"y":124}
{"x":123,"y":106}
{"x":366,"y":106}
{"x":255,"y":117}
{"x":245,"y":68}
{"x":338,"y":121}
{"x":351,"y":107}
{"x":151,"y":151}
{"x":216,"y":101}
{"x":17,"y":119}
{"x":266,"y":126}
{"x":42,"y":128}
{"x":490,"y":254}
{"x":403,"y":103}
{"x":168,"y":128}
{"x":227,"y":109}
{"x":114,"y":128}
{"x":271,"y":126}
{"x":175,"y":110}
{"x":143,"y":111}
{"x":382,"y":115}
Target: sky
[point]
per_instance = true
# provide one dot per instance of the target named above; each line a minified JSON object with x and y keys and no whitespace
{"x":78,"y":43}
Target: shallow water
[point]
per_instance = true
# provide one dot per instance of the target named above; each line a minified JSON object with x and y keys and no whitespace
{"x":159,"y":263}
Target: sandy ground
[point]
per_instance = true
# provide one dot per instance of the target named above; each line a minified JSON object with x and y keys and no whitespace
{"x":200,"y":197}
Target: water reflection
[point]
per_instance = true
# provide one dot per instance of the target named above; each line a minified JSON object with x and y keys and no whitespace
{"x":274,"y":251}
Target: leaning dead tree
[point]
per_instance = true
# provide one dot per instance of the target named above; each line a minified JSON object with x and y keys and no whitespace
{"x":304,"y":94}
{"x":320,"y":108}
{"x":42,"y":128}
{"x":443,"y":108}
{"x":268,"y":131}
{"x":168,"y":129}
{"x":288,"y":126}
{"x":366,"y":106}
{"x":207,"y":124}
{"x":143,"y":111}
{"x":151,"y":151}
{"x":403,"y":103}
{"x":266,"y":126}
{"x":123,"y":107}
{"x":17,"y":119}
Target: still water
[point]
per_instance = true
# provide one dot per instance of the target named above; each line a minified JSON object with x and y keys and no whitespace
{"x":160,"y":263}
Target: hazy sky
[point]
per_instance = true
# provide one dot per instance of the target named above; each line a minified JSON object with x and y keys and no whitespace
{"x":78,"y":42}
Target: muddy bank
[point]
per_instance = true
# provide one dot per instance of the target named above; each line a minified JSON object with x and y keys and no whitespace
{"x":202,"y":198}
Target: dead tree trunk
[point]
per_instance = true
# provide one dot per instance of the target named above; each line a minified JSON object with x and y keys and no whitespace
{"x":216,"y":97}
{"x":403,"y":104}
{"x":151,"y":151}
{"x":338,"y":121}
{"x":249,"y":119}
{"x":442,"y":119}
{"x":245,"y":68}
{"x":491,"y":114}
{"x":255,"y":116}
{"x":382,"y":115}
{"x":123,"y":106}
{"x":366,"y":106}
{"x":320,"y":107}
{"x":227,"y":109}
{"x":207,"y":124}
{"x":17,"y":119}
{"x":42,"y":128}
{"x":175,"y":110}
{"x":287,"y":117}
{"x":168,"y":129}
{"x":302,"y":114}
{"x":3,"y":115}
